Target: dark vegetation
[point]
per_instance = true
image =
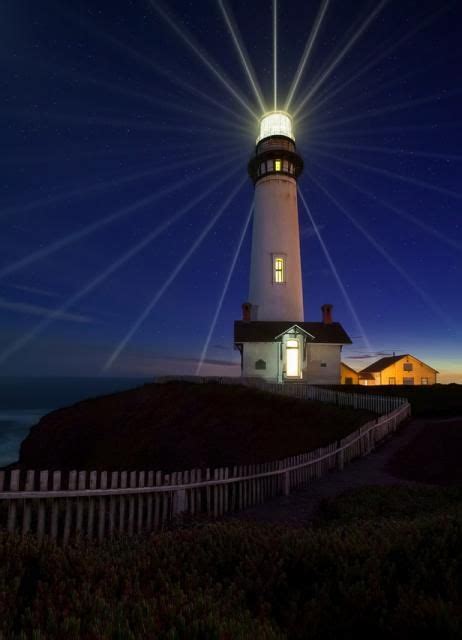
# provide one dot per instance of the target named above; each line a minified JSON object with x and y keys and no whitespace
{"x":180,"y":425}
{"x":381,"y":561}
{"x":433,"y":401}
{"x":434,"y":456}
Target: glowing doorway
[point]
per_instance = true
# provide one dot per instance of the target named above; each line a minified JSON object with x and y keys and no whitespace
{"x":293,"y":358}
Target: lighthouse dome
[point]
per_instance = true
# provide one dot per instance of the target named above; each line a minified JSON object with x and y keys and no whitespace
{"x":276,"y":123}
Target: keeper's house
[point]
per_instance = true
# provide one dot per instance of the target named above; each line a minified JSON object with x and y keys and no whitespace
{"x":405,"y":369}
{"x":281,"y":350}
{"x":348,"y":374}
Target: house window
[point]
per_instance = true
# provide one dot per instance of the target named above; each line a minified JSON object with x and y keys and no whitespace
{"x":260,"y":364}
{"x":391,"y":380}
{"x":348,"y":380}
{"x":277,"y":165}
{"x":408,"y":380}
{"x":293,"y":358}
{"x":279,"y":275}
{"x":424,"y":381}
{"x":407,"y":366}
{"x":323,"y":364}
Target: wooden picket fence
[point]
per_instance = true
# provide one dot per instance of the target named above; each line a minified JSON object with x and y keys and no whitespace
{"x":376,"y":403}
{"x":99,"y":504}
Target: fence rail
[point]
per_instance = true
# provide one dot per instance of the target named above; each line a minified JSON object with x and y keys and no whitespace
{"x":99,"y":504}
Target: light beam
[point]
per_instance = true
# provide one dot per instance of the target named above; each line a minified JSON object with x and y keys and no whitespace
{"x":392,"y":174}
{"x":210,"y":65}
{"x":139,"y":321}
{"x":79,"y":192}
{"x":375,"y":60}
{"x":335,"y":272}
{"x":243,"y":55}
{"x":139,"y":125}
{"x":390,"y":109}
{"x":437,"y":310}
{"x":103,"y":275}
{"x":332,"y":66}
{"x":275,"y":53}
{"x":99,"y":224}
{"x":413,"y":153}
{"x":225,"y":290}
{"x":400,"y":212}
{"x":173,"y":77}
{"x":306,"y":54}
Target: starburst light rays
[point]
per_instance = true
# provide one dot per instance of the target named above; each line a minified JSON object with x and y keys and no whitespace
{"x":106,"y":272}
{"x":173,"y":275}
{"x":224,"y":291}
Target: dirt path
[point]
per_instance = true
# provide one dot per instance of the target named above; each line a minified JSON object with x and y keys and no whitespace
{"x":298,"y":508}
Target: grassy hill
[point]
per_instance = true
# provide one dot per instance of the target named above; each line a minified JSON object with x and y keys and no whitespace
{"x":180,"y":425}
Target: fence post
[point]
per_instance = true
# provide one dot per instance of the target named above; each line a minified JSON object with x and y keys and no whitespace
{"x":140,"y":498}
{"x":91,"y":505}
{"x":286,"y":483}
{"x":72,"y":483}
{"x":41,"y":506}
{"x":55,"y":505}
{"x":12,"y":507}
{"x":340,"y":456}
{"x":157,"y":501}
{"x":131,"y":503}
{"x":179,"y":502}
{"x":27,"y":515}
{"x":79,"y":517}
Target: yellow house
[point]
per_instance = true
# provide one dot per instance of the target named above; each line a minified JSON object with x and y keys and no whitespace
{"x":405,"y":369}
{"x":348,"y":375}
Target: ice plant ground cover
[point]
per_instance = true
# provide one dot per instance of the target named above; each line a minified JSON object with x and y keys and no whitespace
{"x":386,"y":561}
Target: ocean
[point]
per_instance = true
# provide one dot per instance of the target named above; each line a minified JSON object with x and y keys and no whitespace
{"x":23,"y":401}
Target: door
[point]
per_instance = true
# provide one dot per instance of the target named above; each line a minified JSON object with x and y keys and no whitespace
{"x":293,"y":359}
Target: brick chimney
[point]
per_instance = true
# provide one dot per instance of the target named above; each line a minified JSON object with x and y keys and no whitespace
{"x":246,"y":311}
{"x":327,"y":313}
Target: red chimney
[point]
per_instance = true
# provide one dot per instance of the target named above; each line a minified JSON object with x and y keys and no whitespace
{"x":246,"y":309}
{"x":327,"y":313}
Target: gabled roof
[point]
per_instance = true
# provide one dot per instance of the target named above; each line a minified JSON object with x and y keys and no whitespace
{"x":295,"y":328}
{"x":383,"y":363}
{"x":347,"y":366}
{"x":269,"y":331}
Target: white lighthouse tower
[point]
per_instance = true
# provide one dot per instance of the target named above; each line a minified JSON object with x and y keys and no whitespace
{"x":274,"y":340}
{"x":275,"y":274}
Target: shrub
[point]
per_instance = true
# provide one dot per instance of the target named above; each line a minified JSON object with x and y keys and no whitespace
{"x":393,"y":577}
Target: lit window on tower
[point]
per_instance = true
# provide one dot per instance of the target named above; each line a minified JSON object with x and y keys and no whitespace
{"x":277,"y":165}
{"x":279,"y":270}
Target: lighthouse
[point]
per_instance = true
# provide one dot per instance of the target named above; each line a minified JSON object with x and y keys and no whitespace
{"x":273,"y":338}
{"x":275,"y":273}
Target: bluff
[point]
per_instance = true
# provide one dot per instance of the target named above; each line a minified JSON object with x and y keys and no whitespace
{"x":180,"y":425}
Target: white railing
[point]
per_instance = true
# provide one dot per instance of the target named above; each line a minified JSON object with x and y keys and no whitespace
{"x":101,"y":504}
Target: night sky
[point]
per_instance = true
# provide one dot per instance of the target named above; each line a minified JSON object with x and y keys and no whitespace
{"x":112,"y":125}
